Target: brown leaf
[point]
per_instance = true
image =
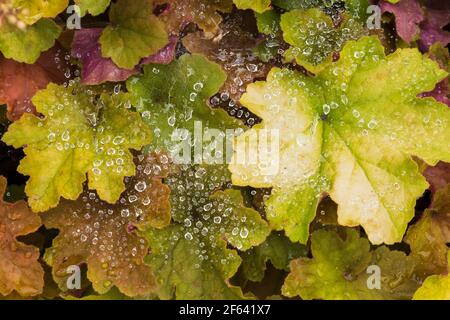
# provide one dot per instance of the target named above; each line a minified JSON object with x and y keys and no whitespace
{"x":104,"y":236}
{"x":19,"y":266}
{"x":428,"y":238}
{"x":20,"y":81}
{"x":438,"y":176}
{"x":233,"y":50}
{"x":204,"y":13}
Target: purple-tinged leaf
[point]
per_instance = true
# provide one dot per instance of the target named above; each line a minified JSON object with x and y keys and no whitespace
{"x":96,"y":69}
{"x":165,"y":55}
{"x":432,"y":28}
{"x":408,"y":15}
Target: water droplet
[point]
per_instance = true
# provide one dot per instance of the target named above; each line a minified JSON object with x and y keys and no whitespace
{"x":140,"y":186}
{"x":244,"y":233}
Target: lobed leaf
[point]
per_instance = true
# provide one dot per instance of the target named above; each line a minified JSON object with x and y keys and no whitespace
{"x":93,"y":7}
{"x":104,"y":236}
{"x":134,"y":33}
{"x":258,"y":6}
{"x":234,"y":53}
{"x":339,"y":270}
{"x":30,"y":11}
{"x":20,"y":269}
{"x":435,"y":287}
{"x":314,"y":38}
{"x":26,"y":45}
{"x":78,"y":134}
{"x":175,"y":96}
{"x":428,"y":238}
{"x":277,"y":249}
{"x":19,"y":81}
{"x":190,"y":257}
{"x":204,"y":13}
{"x":341,"y":135}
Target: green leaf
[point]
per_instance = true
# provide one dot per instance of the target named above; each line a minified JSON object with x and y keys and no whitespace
{"x":175,"y":96}
{"x":339,"y":270}
{"x":93,"y":7}
{"x":268,"y":22}
{"x":134,"y":33}
{"x":356,"y":8}
{"x":30,"y":11}
{"x":256,"y":5}
{"x":341,"y":135}
{"x":435,"y":287}
{"x":26,"y":45}
{"x":77,"y":135}
{"x":190,"y":257}
{"x":314,"y":38}
{"x":277,"y":249}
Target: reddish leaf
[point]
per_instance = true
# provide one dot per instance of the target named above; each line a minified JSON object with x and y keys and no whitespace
{"x":438,"y":176}
{"x":97,"y":69}
{"x":19,"y":266}
{"x":19,"y":81}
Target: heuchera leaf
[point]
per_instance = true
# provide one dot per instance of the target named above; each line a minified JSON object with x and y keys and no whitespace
{"x":78,"y":134}
{"x":204,"y":13}
{"x":134,"y":33}
{"x":93,"y":7}
{"x":357,"y":8}
{"x":19,"y":266}
{"x":442,"y":91}
{"x":268,"y":22}
{"x":341,"y":135}
{"x":414,"y":22}
{"x":234,"y":53}
{"x":315,"y":38}
{"x":438,"y":176}
{"x":408,"y":15}
{"x":190,"y":257}
{"x":437,"y":17}
{"x":256,"y":5}
{"x":277,"y":249}
{"x":164,"y":56}
{"x":428,"y":238}
{"x":30,"y":11}
{"x":104,"y":235}
{"x":19,"y":81}
{"x":27,"y":45}
{"x":97,"y":69}
{"x":436,"y":287}
{"x":338,"y":270}
{"x":176,"y":95}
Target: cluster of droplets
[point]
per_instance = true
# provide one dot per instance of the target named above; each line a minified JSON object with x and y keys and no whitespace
{"x":233,"y":50}
{"x":206,"y":220}
{"x":106,"y":232}
{"x":9,"y":14}
{"x":99,"y":135}
{"x":222,"y":100}
{"x":316,"y":39}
